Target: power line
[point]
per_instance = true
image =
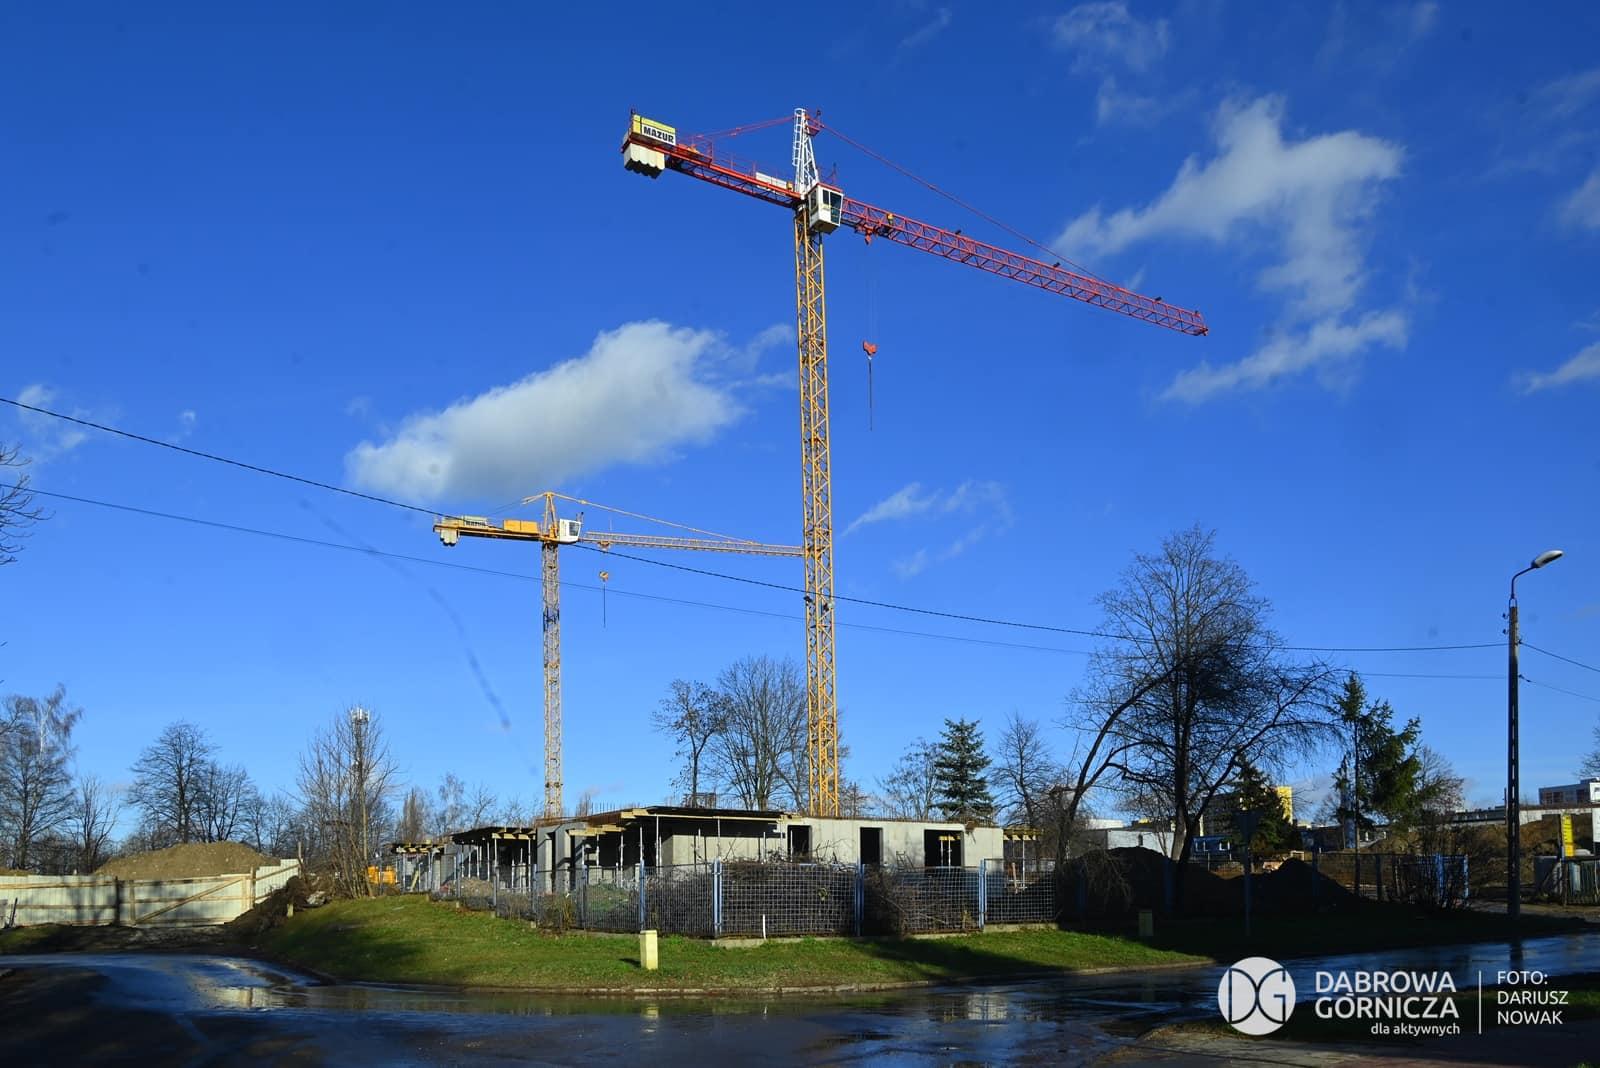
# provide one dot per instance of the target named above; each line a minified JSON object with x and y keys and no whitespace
{"x":1410,"y":675}
{"x":990,"y":621}
{"x":218,"y":459}
{"x":889,"y":606}
{"x":1558,"y":656}
{"x":1557,"y":689}
{"x":368,"y":551}
{"x":962,"y":617}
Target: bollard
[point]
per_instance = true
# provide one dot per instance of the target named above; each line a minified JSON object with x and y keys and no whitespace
{"x":648,"y":959}
{"x":1147,"y":923}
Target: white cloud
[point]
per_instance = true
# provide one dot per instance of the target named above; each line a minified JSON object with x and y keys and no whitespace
{"x":1565,"y":97}
{"x":915,"y":564}
{"x":1582,"y":208}
{"x":1105,"y":34}
{"x":911,"y":500}
{"x":1307,"y":200}
{"x":942,"y":17}
{"x":984,"y":504}
{"x":1584,"y":367}
{"x":1112,"y":104}
{"x":46,"y":437}
{"x":1324,"y":345}
{"x":908,"y":500}
{"x":641,"y":393}
{"x":1422,"y":18}
{"x":1308,"y":195}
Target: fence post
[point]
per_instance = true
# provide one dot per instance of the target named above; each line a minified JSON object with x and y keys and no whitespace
{"x":716,"y":898}
{"x":861,"y":896}
{"x":640,"y":880}
{"x":1316,"y":890}
{"x":1377,"y":874}
{"x":983,"y":892}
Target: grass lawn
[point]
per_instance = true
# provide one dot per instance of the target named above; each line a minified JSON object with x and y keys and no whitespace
{"x":413,"y":940}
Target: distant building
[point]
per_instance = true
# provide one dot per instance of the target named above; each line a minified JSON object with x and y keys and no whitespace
{"x":1219,"y":814}
{"x":1578,"y":793}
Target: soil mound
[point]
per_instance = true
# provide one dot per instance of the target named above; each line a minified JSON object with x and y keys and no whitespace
{"x":193,"y":860}
{"x":273,"y":910}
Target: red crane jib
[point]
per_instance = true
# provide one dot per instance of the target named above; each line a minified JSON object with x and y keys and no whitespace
{"x":698,"y":161}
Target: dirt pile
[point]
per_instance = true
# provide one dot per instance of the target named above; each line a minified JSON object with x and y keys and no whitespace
{"x":193,"y":860}
{"x":273,"y":910}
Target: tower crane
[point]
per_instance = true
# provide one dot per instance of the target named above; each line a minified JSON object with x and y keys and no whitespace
{"x":551,"y":533}
{"x":819,"y":208}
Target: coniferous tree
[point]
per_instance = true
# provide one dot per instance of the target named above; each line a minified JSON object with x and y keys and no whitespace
{"x":1390,"y":782}
{"x":959,"y":769}
{"x":1254,"y":793}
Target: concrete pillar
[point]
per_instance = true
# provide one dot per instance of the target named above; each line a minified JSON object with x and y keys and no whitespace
{"x":648,"y":959}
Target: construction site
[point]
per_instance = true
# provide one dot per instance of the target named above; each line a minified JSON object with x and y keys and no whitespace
{"x":563,"y":854}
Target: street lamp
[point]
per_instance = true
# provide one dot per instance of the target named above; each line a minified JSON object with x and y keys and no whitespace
{"x":1513,"y":813}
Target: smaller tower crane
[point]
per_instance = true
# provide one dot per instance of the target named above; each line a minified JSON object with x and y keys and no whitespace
{"x":551,"y":533}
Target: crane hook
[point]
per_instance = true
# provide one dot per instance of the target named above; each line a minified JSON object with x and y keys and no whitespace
{"x":871,"y":349}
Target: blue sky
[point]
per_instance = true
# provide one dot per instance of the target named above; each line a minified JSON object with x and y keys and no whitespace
{"x":393,"y":248}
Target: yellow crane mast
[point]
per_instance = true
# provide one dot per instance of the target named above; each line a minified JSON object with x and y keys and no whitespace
{"x":551,"y":533}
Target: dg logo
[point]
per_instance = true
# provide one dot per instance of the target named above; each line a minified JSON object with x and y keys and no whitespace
{"x":1256,"y":996}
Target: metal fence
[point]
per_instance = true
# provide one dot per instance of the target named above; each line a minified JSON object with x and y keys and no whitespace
{"x":1572,"y":881}
{"x":1434,"y":879}
{"x":770,"y":899}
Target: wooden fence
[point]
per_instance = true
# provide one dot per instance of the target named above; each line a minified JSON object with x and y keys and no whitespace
{"x":91,"y":900}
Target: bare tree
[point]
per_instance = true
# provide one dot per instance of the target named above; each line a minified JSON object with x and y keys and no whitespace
{"x":1024,"y":771}
{"x":854,"y":802}
{"x":95,"y":807}
{"x":1190,"y":622}
{"x":911,"y":789}
{"x":1591,"y":763}
{"x":480,"y":805}
{"x":514,"y":811}
{"x":35,"y":781}
{"x":1440,"y":791}
{"x":692,"y":716}
{"x":222,"y":801}
{"x":169,"y":781}
{"x":414,"y":816}
{"x":272,"y":825}
{"x":451,"y":813}
{"x":18,"y":511}
{"x":760,"y":752}
{"x":346,"y":778}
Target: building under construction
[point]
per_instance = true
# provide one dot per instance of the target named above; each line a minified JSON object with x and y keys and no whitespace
{"x":555,"y":856}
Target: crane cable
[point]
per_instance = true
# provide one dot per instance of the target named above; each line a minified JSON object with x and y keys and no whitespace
{"x":1013,"y":231}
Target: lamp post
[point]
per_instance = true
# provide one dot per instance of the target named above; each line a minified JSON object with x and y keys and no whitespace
{"x":1513,"y":807}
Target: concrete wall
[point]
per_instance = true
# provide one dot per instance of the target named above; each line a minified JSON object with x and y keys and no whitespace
{"x":903,"y":840}
{"x":90,"y":900}
{"x":833,"y":840}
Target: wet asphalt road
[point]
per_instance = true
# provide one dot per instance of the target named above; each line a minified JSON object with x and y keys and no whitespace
{"x":170,"y":1008}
